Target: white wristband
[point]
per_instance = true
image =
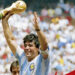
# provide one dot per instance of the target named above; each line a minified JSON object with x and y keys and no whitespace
{"x":44,"y":52}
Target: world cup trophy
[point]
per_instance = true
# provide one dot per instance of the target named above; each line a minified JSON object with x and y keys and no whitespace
{"x":16,"y":7}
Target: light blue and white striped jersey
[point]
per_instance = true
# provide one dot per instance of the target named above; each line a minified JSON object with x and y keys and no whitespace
{"x":38,"y":66}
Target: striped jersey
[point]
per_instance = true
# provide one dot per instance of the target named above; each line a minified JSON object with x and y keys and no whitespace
{"x":38,"y":66}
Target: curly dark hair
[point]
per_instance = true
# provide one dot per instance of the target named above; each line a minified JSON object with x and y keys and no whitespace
{"x":14,"y":64}
{"x":32,"y":38}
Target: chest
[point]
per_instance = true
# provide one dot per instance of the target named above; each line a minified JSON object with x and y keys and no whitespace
{"x":29,"y":68}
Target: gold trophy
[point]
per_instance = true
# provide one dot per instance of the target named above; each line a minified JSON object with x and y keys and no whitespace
{"x":17,"y":7}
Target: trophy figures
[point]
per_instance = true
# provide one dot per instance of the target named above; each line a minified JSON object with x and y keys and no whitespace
{"x":16,"y":7}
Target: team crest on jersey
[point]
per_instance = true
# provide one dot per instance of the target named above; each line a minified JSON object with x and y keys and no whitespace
{"x":32,"y":67}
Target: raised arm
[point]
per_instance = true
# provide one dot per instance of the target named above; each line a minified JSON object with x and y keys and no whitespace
{"x":8,"y":34}
{"x":41,"y":36}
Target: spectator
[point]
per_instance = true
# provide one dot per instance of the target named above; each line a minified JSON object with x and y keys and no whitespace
{"x":14,"y":68}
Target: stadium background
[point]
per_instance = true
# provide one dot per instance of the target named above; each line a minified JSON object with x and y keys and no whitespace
{"x":39,"y":4}
{"x":61,"y":36}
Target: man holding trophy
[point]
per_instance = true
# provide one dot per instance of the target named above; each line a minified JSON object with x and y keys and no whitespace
{"x":34,"y":59}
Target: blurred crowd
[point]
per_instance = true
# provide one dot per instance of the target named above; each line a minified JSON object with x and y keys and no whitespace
{"x":58,"y":26}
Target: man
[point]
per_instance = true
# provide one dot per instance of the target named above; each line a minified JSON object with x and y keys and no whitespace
{"x":14,"y":68}
{"x":34,"y":60}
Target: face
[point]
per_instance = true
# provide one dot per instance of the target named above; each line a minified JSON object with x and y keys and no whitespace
{"x":15,"y":70}
{"x":30,"y":50}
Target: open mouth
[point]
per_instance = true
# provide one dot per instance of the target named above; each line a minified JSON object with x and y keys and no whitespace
{"x":28,"y":54}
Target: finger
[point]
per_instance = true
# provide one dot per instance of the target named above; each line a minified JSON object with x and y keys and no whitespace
{"x":7,"y":16}
{"x":35,"y":15}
